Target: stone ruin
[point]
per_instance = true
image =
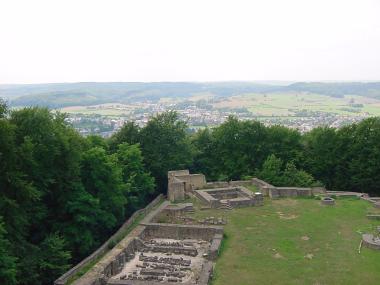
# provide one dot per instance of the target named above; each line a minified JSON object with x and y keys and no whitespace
{"x":178,"y":214}
{"x":282,"y":192}
{"x":165,"y":260}
{"x":220,"y":194}
{"x":155,"y":253}
{"x":160,"y":253}
{"x":371,"y":241}
{"x":180,"y":182}
{"x":230,"y":197}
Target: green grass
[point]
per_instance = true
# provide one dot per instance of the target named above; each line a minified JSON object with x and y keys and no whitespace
{"x":263,"y":248}
{"x":265,"y":245}
{"x":280,"y":104}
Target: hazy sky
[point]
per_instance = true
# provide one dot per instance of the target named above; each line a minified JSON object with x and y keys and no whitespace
{"x":177,"y":40}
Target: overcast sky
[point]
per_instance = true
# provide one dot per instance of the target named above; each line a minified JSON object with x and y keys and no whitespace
{"x":177,"y":40}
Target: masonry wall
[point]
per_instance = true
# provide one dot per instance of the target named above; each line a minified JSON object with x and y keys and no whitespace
{"x":198,"y":180}
{"x":105,"y":247}
{"x":181,"y":231}
{"x":176,"y":190}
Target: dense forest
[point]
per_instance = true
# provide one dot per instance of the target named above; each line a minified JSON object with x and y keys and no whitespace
{"x":62,"y":195}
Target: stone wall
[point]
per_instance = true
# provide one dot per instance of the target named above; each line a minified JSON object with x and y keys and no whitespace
{"x":281,"y":192}
{"x":175,"y":231}
{"x":244,"y":183}
{"x":237,"y":196}
{"x":207,"y":199}
{"x":263,"y":186}
{"x":197,"y":180}
{"x":215,"y":246}
{"x":176,"y":190}
{"x":181,"y":182}
{"x":216,"y":184}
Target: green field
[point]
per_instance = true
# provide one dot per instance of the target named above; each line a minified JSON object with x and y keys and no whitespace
{"x":296,"y":241}
{"x":282,"y":105}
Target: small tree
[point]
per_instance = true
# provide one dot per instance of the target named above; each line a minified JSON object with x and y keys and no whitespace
{"x":272,"y":170}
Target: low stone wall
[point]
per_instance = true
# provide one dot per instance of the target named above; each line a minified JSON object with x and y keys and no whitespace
{"x":328,"y":201}
{"x":240,"y":183}
{"x":373,"y":216}
{"x":318,"y":190}
{"x":281,"y":192}
{"x":263,"y":186}
{"x":215,"y":246}
{"x":216,"y":184}
{"x":172,"y":211}
{"x":174,"y":231}
{"x":237,"y":196}
{"x":207,"y":199}
{"x":105,"y":247}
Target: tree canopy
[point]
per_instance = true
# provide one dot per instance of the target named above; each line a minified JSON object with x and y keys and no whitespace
{"x":62,"y":195}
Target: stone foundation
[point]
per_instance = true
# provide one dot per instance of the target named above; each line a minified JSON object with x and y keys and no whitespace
{"x":234,"y":196}
{"x":371,"y":241}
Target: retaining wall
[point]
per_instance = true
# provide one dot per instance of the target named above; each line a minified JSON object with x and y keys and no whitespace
{"x":174,"y":231}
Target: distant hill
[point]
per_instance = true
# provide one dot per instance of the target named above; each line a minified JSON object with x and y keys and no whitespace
{"x":57,"y":95}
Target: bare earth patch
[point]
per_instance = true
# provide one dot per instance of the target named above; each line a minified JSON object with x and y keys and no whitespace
{"x":278,"y":256}
{"x":305,"y":238}
{"x":288,"y":217}
{"x":309,"y":256}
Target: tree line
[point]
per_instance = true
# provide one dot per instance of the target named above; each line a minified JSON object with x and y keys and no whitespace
{"x":62,"y":195}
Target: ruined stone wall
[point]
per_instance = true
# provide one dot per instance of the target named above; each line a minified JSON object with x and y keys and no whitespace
{"x":216,"y":184}
{"x":198,"y":181}
{"x":105,"y":247}
{"x":278,"y":192}
{"x":178,"y":172}
{"x":207,"y":199}
{"x":181,"y":182}
{"x":186,"y":179}
{"x":263,"y":186}
{"x":176,"y":190}
{"x":181,"y":231}
{"x":215,"y":246}
{"x":240,"y":183}
{"x":282,"y":192}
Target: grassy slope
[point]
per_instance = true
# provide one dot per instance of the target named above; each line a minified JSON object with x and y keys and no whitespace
{"x":262,"y":248}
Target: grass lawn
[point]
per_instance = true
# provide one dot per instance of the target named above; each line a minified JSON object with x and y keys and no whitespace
{"x":297,"y":241}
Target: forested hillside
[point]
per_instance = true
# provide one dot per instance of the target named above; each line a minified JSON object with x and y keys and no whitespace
{"x":62,"y":195}
{"x":58,"y":95}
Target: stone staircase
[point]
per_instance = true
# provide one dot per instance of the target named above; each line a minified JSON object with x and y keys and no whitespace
{"x":225,"y":205}
{"x":189,"y":208}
